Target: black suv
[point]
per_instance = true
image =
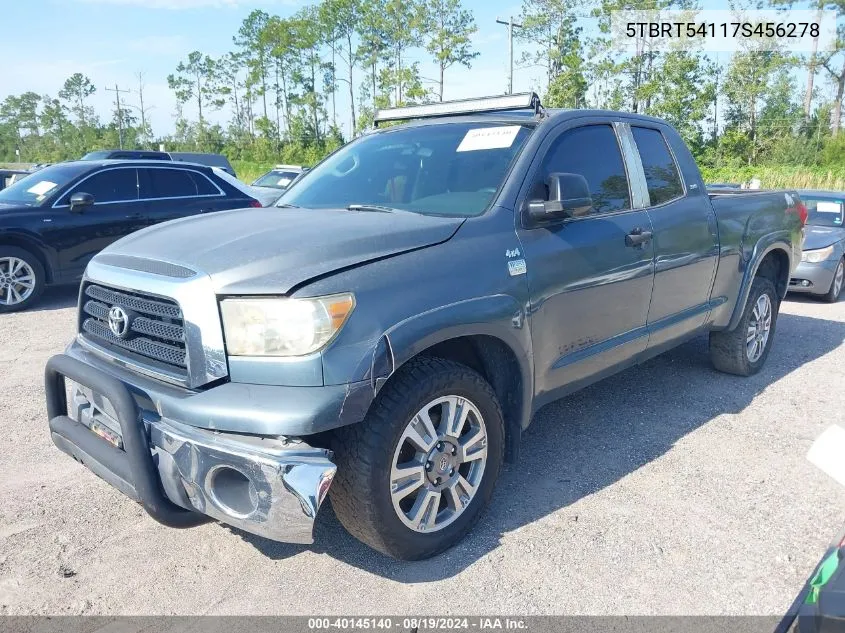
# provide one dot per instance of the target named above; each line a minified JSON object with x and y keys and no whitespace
{"x":56,"y":219}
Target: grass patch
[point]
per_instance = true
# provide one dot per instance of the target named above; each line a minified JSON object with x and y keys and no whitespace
{"x":248,"y":170}
{"x":780,"y":176}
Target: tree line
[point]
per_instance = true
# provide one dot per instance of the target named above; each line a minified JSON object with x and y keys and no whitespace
{"x":278,"y":88}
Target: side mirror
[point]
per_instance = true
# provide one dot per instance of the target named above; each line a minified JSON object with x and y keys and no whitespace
{"x":569,"y":197}
{"x":80,"y":201}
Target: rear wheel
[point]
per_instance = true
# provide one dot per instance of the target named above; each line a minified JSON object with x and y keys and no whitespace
{"x":832,"y":295}
{"x":744,"y":350}
{"x":415,"y":475}
{"x":22,"y":279}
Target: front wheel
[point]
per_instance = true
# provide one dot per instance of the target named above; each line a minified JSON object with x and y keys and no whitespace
{"x":744,"y":349}
{"x":22,"y":279}
{"x":832,"y":295}
{"x":414,"y":476}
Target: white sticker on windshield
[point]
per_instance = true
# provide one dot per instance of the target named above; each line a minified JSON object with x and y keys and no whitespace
{"x":41,"y":188}
{"x":283,"y":182}
{"x":828,"y":207}
{"x":489,"y":138}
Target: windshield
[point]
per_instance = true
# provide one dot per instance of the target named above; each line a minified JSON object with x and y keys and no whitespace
{"x":451,"y":169}
{"x":824,"y":212}
{"x":98,"y":155}
{"x":37,"y":187}
{"x":277,"y":179}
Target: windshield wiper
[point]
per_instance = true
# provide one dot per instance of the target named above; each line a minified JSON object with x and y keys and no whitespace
{"x":371,"y":207}
{"x":286,"y":205}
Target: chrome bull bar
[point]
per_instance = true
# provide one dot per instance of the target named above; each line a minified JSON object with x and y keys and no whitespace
{"x":183,"y":475}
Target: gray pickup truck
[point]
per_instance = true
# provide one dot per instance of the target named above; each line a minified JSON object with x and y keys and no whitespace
{"x":384,"y":334}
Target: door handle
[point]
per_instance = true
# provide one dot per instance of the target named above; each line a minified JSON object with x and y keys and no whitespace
{"x":637,"y":237}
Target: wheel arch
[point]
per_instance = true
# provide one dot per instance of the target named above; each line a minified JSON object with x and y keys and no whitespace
{"x":487,"y":335}
{"x":771,"y":259}
{"x":31,"y":245}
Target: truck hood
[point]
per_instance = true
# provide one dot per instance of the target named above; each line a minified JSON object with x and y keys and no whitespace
{"x":272,"y":250}
{"x":821,"y":236}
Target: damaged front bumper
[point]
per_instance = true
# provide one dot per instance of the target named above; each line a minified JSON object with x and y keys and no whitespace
{"x":181,"y":474}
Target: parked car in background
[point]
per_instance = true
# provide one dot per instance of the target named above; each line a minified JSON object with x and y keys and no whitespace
{"x":265,"y":195}
{"x":8,"y":177}
{"x":822,"y":269}
{"x":126,"y":154}
{"x":385,"y":334}
{"x":56,"y":219}
{"x":280,"y":177}
{"x":209,"y":160}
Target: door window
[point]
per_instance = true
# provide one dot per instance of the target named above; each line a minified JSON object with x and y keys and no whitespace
{"x":169,"y":183}
{"x":593,"y":152}
{"x":111,"y":185}
{"x":204,"y":186}
{"x":661,"y":172}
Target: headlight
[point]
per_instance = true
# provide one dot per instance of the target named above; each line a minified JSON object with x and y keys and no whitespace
{"x":281,"y":326}
{"x":817,"y":255}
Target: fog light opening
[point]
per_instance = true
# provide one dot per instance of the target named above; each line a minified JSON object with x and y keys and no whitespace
{"x":232,"y":491}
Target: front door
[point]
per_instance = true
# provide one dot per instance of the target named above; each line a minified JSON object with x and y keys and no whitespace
{"x":116,"y":212}
{"x":590,"y":286}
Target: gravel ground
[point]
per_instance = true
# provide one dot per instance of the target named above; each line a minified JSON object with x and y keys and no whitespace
{"x":668,"y":489}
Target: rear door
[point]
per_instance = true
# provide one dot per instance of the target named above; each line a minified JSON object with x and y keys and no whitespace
{"x":174,"y":192}
{"x":590,"y":286}
{"x":685,"y":240}
{"x":116,"y":212}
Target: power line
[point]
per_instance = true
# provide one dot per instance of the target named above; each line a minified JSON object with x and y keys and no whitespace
{"x":510,"y":24}
{"x":117,"y":92}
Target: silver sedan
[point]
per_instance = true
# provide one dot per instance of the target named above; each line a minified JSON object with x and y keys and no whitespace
{"x":822,"y":269}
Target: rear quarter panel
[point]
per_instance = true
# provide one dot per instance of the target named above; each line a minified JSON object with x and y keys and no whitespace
{"x":751,"y":224}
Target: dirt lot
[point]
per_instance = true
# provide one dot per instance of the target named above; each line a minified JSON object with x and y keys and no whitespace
{"x":668,"y":489}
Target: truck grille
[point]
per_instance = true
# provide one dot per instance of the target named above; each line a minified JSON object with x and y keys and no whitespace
{"x":155,"y":332}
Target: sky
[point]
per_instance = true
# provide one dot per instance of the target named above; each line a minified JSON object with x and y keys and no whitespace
{"x":110,"y":41}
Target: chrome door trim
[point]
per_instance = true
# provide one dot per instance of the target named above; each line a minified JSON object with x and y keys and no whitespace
{"x":220,"y":193}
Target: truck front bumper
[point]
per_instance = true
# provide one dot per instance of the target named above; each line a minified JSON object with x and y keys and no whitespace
{"x":181,"y":474}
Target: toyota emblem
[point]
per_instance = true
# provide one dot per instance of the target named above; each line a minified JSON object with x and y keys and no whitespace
{"x":118,"y":321}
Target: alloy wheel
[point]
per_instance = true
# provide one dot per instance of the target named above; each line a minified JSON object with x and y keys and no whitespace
{"x":438,"y":463}
{"x":17,"y":281}
{"x":838,"y":278}
{"x":759,"y":327}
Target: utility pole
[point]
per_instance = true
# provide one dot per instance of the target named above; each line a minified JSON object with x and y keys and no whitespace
{"x":143,"y":112}
{"x":510,"y":24}
{"x":117,"y":92}
{"x":716,"y":108}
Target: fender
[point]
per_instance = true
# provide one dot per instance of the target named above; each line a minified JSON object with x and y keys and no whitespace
{"x":497,"y":316}
{"x":31,"y":242}
{"x":778,"y":240}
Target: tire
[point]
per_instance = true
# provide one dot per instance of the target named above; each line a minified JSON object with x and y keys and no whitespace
{"x":832,"y":295}
{"x":364,"y":490}
{"x":729,"y":350}
{"x":22,"y":279}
